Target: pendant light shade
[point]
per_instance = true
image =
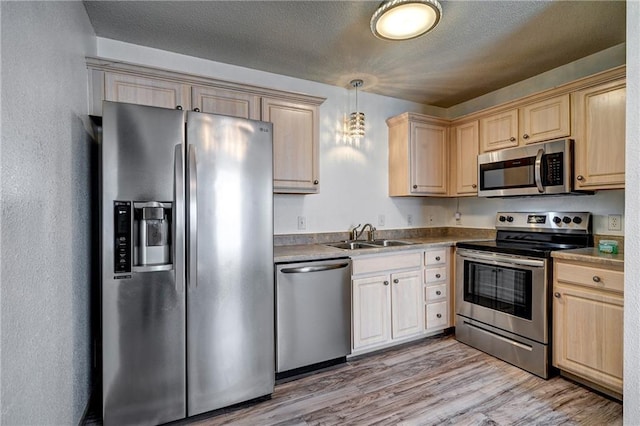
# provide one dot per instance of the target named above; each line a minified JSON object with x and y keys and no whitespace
{"x":356,"y":119}
{"x":405,"y":19}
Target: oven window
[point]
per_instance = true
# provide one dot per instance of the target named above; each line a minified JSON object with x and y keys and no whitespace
{"x":500,"y":288}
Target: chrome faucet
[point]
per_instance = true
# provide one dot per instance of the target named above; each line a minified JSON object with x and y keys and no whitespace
{"x":357,"y":234}
{"x":353,"y":234}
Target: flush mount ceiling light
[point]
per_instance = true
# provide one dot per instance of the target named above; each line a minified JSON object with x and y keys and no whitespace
{"x":405,"y":19}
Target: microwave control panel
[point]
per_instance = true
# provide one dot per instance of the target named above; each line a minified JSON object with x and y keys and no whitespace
{"x":553,"y":173}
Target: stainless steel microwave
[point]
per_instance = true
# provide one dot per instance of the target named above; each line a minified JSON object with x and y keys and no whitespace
{"x":536,"y":169}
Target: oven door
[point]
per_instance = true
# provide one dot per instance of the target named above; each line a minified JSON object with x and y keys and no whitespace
{"x":505,"y":291}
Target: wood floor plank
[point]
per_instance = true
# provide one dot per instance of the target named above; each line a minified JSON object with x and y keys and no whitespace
{"x":434,"y":381}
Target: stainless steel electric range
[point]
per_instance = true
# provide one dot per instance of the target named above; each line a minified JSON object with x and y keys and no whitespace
{"x":503,"y":287}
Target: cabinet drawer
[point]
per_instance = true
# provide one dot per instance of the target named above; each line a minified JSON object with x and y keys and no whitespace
{"x":436,"y":315}
{"x":386,"y":263}
{"x":589,"y":276}
{"x":436,"y":257}
{"x":435,"y":292}
{"x":435,"y":274}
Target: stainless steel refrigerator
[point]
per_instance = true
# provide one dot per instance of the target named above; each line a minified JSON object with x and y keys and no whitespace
{"x":186,"y":262}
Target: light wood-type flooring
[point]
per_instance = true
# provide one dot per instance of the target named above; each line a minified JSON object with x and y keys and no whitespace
{"x":436,"y":381}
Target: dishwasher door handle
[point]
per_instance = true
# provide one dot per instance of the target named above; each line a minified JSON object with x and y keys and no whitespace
{"x":305,"y":269}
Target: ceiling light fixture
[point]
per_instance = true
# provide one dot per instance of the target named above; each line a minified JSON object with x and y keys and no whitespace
{"x":356,"y":119}
{"x":405,"y":19}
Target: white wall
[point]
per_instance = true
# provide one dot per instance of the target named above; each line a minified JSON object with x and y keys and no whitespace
{"x":632,"y":234}
{"x":353,"y":177}
{"x":45,"y":193}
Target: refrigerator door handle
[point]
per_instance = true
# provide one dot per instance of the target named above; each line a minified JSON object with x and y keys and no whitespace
{"x":178,"y":217}
{"x":193,"y":218}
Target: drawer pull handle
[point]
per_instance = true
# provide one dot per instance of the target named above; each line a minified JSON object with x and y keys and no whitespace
{"x":557,"y":295}
{"x":439,"y":315}
{"x":438,"y":292}
{"x":396,"y":281}
{"x":386,"y":283}
{"x":596,"y":279}
{"x":437,"y":258}
{"x":437,"y":275}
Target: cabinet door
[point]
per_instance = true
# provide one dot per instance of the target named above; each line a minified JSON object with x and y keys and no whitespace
{"x":146,"y":91}
{"x":428,"y":158}
{"x":499,"y":131}
{"x":295,"y":145}
{"x":466,"y":158}
{"x":371,"y":307}
{"x":587,"y":334}
{"x":406,"y":304}
{"x":226,"y":102}
{"x":545,"y":120}
{"x":599,"y":133}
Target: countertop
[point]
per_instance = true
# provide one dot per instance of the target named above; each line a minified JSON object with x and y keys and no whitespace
{"x":590,"y":255}
{"x":307,"y":252}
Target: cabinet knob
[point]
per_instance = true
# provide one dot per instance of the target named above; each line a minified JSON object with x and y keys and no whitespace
{"x":415,"y":186}
{"x":386,"y":283}
{"x":438,"y":292}
{"x":556,"y":295}
{"x":474,"y":186}
{"x":580,"y":178}
{"x":437,"y":275}
{"x":315,"y":182}
{"x":196,"y":109}
{"x":512,"y":139}
{"x":439,"y":315}
{"x":525,"y":136}
{"x":437,"y":258}
{"x":396,"y":281}
{"x":179,"y":107}
{"x":596,"y":279}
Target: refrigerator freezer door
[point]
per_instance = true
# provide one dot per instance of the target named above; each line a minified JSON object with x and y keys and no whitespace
{"x":230,"y":322}
{"x":143,"y":312}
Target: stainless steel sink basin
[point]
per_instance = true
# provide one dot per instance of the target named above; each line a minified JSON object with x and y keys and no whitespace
{"x":353,"y":245}
{"x":390,"y":243}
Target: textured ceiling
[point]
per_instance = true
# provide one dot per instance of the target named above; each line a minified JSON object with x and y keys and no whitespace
{"x":478,"y":47}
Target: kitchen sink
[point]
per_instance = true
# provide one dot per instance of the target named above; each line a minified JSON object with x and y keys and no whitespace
{"x":353,"y":245}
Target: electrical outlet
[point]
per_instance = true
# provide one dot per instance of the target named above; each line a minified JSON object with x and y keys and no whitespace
{"x":302,"y":222}
{"x":409,"y":220}
{"x":381,"y":220}
{"x":615,"y":222}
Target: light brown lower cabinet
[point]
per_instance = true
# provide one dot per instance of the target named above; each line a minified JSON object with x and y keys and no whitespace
{"x":588,"y":324}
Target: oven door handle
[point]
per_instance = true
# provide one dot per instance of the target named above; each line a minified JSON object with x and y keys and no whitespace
{"x":538,"y":170}
{"x":495,"y":260}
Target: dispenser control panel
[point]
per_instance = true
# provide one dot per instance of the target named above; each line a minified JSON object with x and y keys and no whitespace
{"x":122,"y":227}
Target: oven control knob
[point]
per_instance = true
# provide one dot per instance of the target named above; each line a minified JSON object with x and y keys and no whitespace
{"x":577,"y":220}
{"x":566,"y":219}
{"x":556,"y":220}
{"x":509,"y":218}
{"x":502,"y":218}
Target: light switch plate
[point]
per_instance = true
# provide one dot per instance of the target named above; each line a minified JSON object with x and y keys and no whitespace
{"x":381,"y":220}
{"x":302,"y":222}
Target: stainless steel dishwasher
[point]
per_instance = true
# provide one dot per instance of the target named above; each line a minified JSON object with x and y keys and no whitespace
{"x":313,"y":314}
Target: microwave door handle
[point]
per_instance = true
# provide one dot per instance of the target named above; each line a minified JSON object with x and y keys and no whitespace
{"x":538,"y":170}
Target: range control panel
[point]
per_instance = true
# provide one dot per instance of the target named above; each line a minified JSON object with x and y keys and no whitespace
{"x":122,"y":236}
{"x":578,"y":222}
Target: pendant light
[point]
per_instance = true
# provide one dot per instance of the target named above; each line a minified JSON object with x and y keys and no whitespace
{"x":405,"y":19}
{"x":356,"y":119}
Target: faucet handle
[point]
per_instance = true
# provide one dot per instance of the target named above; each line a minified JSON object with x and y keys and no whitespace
{"x":354,"y":232}
{"x":372,"y":234}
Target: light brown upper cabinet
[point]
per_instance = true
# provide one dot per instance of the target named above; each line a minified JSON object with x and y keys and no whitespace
{"x":599,"y":133}
{"x":295,"y":145}
{"x":536,"y":122}
{"x":295,"y":116}
{"x":226,"y":102}
{"x":464,"y":159}
{"x":146,"y":91}
{"x":418,"y":155}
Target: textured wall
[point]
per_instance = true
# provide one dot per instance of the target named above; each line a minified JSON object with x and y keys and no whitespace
{"x":45,"y":247}
{"x":632,"y":234}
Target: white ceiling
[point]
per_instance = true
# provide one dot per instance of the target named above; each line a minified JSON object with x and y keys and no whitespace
{"x":478,"y":47}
